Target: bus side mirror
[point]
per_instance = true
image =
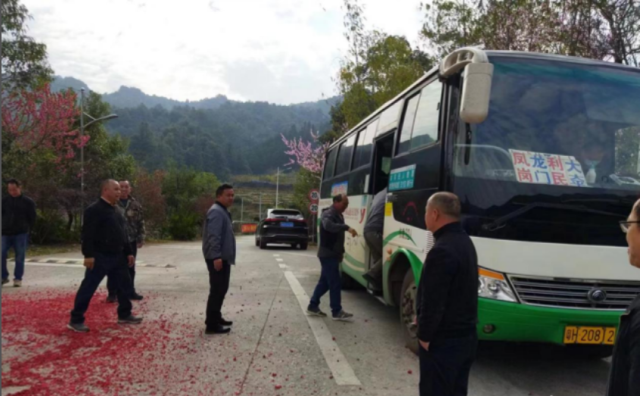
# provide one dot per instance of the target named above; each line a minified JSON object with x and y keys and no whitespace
{"x":476,"y":92}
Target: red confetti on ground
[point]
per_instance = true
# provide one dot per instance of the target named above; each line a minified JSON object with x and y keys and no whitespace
{"x":278,"y":387}
{"x":409,"y":372}
{"x":40,"y":353}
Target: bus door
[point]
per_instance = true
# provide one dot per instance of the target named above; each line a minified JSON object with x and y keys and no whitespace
{"x":415,"y":174}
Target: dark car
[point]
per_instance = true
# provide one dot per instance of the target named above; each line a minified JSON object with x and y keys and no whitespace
{"x":283,"y":226}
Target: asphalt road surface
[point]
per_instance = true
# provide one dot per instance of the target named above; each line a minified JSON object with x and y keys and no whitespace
{"x":273,"y":349}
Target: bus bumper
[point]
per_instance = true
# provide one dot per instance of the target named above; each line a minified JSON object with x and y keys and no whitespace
{"x":525,"y":323}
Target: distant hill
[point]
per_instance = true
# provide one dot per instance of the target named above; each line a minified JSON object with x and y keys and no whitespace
{"x":62,"y":83}
{"x":216,"y":135}
{"x":133,"y":97}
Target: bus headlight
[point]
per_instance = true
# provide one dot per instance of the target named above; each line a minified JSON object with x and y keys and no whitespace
{"x":495,"y":286}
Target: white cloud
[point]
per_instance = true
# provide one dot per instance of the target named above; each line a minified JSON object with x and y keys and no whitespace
{"x":282,"y":51}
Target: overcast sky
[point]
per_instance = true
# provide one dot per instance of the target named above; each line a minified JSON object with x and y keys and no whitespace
{"x":281,"y":51}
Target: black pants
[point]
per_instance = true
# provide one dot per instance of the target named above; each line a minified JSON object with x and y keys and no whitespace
{"x":104,"y":265}
{"x":218,"y":287}
{"x":374,"y":241}
{"x":111,"y":284}
{"x":445,"y":368}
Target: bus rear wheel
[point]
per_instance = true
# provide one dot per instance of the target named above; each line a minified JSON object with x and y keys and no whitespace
{"x":408,"y":298}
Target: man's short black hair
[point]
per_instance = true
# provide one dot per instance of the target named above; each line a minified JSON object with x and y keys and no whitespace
{"x":220,"y":190}
{"x":447,"y":203}
{"x":105,"y":183}
{"x":14,"y":181}
{"x":337,"y":198}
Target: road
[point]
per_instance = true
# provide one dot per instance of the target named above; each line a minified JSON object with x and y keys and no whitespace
{"x":274,"y":349}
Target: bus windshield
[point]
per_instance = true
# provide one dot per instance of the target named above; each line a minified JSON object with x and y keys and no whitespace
{"x":557,"y":124}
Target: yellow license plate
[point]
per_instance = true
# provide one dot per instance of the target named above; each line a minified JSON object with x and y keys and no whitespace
{"x":590,"y":335}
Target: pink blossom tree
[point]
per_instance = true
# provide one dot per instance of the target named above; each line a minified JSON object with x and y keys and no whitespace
{"x":307,"y":154}
{"x":41,"y":119}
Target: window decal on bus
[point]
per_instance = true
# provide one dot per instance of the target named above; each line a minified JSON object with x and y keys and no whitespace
{"x":339,"y":188}
{"x":402,"y":178}
{"x":541,"y":168}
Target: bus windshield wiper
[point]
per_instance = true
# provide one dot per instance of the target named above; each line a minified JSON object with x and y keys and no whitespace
{"x":501,"y":221}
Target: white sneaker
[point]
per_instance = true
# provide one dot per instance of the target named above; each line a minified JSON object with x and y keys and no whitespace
{"x":17,"y":283}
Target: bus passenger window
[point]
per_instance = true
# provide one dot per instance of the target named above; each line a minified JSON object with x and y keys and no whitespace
{"x":344,"y":156}
{"x":365,"y":145}
{"x":425,"y":129}
{"x":407,"y":124}
{"x":330,"y":165}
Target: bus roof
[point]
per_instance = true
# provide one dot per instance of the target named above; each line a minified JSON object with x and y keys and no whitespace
{"x":489,"y":53}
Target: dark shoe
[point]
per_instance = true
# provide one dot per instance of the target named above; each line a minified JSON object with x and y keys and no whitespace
{"x":130,"y":320}
{"x":111,"y":299}
{"x":78,"y":327}
{"x":217,"y":330}
{"x":136,"y":297}
{"x":343,"y":316}
{"x":223,"y":322}
{"x":5,"y":281}
{"x":316,"y":312}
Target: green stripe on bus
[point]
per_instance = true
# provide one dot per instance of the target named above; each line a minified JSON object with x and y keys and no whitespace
{"x":396,"y":234}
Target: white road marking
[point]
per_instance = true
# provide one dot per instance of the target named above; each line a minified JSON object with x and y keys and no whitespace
{"x":302,"y":254}
{"x":283,"y":266}
{"x":279,"y":259}
{"x":337,"y":362}
{"x":276,"y":255}
{"x":54,"y":265}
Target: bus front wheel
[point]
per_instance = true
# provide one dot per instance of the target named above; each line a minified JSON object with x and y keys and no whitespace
{"x":408,"y":315}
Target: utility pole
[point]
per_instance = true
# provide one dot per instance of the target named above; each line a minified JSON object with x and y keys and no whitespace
{"x":260,"y":209}
{"x":277,"y":186}
{"x":242,"y":210}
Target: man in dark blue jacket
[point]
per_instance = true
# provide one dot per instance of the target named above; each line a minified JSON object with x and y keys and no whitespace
{"x":106,"y":251}
{"x":625,"y":366}
{"x":447,"y":302}
{"x":331,"y":254}
{"x":18,"y":218}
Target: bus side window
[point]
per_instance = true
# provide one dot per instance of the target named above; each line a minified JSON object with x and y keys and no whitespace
{"x":365,"y":145}
{"x":407,"y":124}
{"x":425,"y":128}
{"x":330,"y":165}
{"x":344,"y":155}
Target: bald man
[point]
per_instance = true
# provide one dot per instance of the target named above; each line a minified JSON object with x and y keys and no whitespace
{"x":447,"y":302}
{"x":106,"y":251}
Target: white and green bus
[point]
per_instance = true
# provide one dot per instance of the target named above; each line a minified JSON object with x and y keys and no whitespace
{"x":543,"y":152}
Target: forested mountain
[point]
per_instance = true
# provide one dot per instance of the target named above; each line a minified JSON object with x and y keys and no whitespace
{"x":214,"y":135}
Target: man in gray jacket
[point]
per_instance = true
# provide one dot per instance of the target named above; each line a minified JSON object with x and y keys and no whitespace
{"x":219,"y":249}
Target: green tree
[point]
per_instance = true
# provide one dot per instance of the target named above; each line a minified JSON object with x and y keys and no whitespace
{"x":377,"y":67}
{"x":24,"y":61}
{"x":305,"y":182}
{"x":599,"y":29}
{"x":184,"y":190}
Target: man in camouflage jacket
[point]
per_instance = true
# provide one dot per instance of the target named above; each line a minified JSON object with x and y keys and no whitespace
{"x":133,"y":214}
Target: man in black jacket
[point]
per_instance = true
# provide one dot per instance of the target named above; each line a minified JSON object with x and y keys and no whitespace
{"x":18,"y":218}
{"x":625,"y":366}
{"x":105,"y":246}
{"x":447,"y":302}
{"x":331,"y":254}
